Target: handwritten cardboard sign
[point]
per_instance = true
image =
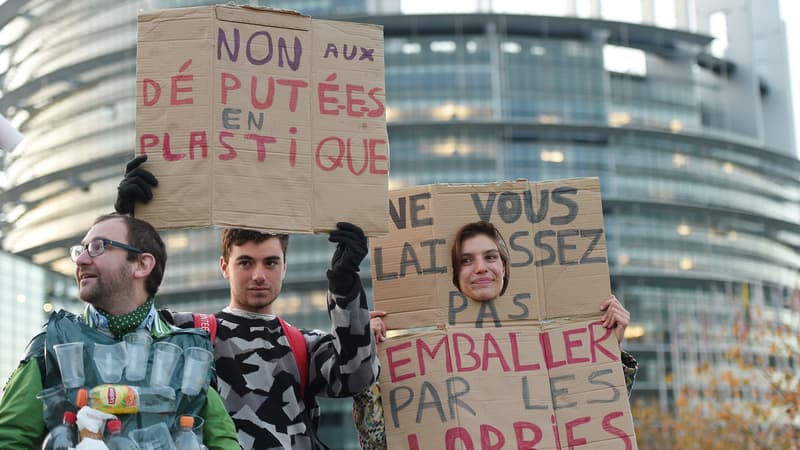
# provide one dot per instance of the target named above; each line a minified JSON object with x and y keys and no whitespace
{"x":262,"y":119}
{"x":531,"y":369}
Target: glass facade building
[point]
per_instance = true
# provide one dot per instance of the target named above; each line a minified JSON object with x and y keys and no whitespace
{"x":701,"y":217}
{"x":692,"y":141}
{"x":29,"y":292}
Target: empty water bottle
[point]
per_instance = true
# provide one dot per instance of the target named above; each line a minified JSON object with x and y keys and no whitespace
{"x":117,"y":441}
{"x":64,"y":436}
{"x":185,"y":438}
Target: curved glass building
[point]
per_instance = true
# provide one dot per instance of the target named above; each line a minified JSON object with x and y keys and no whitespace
{"x":688,"y":127}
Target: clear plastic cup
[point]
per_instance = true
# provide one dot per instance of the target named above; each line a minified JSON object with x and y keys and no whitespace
{"x":110,"y":361}
{"x":165,"y":359}
{"x":54,"y":401}
{"x":138,"y":345}
{"x":70,"y":363}
{"x":197,"y":362}
{"x":154,"y":437}
{"x":197,"y":428}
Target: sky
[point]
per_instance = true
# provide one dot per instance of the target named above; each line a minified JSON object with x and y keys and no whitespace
{"x":790,"y":10}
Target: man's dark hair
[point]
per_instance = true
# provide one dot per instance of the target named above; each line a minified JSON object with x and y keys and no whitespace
{"x":143,"y":236}
{"x":473,"y":229}
{"x":241,"y":236}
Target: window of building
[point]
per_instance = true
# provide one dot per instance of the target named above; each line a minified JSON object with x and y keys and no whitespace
{"x":622,"y":10}
{"x":718,"y":27}
{"x":625,"y":60}
{"x":664,"y":13}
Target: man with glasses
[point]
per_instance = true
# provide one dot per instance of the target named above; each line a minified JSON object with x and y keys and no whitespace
{"x":118,"y":266}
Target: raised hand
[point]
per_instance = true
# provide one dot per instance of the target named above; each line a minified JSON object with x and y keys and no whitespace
{"x":615,"y":316}
{"x":377,"y":325}
{"x":351,"y":248}
{"x":135,"y":186}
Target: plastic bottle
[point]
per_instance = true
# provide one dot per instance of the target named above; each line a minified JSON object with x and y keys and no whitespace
{"x":185,"y":438}
{"x":64,"y":436}
{"x":90,"y":424}
{"x":125,"y":399}
{"x":90,"y":428}
{"x":117,"y":441}
{"x":82,"y":398}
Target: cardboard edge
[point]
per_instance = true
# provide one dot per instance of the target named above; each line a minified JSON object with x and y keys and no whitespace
{"x":271,"y":17}
{"x":174,"y":14}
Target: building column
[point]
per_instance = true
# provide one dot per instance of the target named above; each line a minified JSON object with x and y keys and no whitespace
{"x":648,"y":12}
{"x":596,"y":9}
{"x":683,"y":20}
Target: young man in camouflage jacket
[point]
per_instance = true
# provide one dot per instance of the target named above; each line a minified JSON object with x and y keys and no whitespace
{"x":259,"y":379}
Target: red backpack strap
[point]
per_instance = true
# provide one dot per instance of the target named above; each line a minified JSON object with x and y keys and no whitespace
{"x":298,"y":345}
{"x":206,"y":322}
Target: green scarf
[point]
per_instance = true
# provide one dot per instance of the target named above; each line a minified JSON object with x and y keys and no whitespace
{"x":126,"y":323}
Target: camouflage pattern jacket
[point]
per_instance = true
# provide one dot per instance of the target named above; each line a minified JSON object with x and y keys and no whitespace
{"x":259,"y":380}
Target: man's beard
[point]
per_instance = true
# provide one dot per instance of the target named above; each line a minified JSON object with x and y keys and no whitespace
{"x":107,"y":288}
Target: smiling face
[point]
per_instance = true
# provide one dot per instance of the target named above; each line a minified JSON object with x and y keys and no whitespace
{"x":255,"y":272}
{"x":106,"y":280}
{"x":481,"y":273}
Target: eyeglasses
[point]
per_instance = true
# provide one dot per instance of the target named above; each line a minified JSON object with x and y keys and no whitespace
{"x":98,"y":246}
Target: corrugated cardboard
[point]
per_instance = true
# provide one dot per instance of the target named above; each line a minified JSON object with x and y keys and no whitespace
{"x":533,"y":368}
{"x":262,"y":119}
{"x":412,"y":278}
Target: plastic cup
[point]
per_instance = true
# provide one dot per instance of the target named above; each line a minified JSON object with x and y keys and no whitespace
{"x":165,"y":358}
{"x":110,"y":361}
{"x":197,"y":428}
{"x":70,"y":362}
{"x":54,"y":401}
{"x":196,"y":365}
{"x":138,"y":345}
{"x":154,"y":437}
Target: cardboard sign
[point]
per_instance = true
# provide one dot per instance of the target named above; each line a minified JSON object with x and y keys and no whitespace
{"x":262,"y":119}
{"x":506,"y":388}
{"x":555,"y":237}
{"x":533,"y":368}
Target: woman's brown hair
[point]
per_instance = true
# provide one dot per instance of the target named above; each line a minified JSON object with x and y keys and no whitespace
{"x":473,"y":229}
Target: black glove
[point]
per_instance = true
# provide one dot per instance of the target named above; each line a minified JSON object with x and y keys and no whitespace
{"x":351,"y":248}
{"x":136,"y":185}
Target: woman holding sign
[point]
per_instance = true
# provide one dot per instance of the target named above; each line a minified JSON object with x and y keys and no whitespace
{"x":481,"y":271}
